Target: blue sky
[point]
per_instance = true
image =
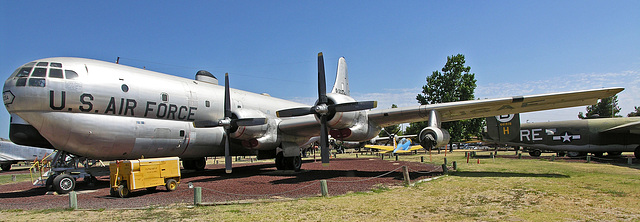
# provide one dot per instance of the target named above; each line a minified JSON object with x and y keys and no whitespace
{"x":513,"y":47}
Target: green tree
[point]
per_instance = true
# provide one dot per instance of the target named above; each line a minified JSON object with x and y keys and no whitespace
{"x":454,"y":83}
{"x":636,"y":112}
{"x":391,"y":129}
{"x":603,"y":108}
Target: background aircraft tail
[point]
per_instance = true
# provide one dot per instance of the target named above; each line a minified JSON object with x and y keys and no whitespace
{"x":342,"y":78}
{"x":503,"y":128}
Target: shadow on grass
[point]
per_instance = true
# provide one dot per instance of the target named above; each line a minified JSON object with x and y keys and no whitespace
{"x":507,"y":174}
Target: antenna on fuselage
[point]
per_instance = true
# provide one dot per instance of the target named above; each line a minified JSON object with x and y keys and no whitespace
{"x":118,"y":60}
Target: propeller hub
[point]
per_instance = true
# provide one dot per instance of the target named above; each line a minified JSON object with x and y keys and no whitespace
{"x":322,"y":109}
{"x":226,"y":122}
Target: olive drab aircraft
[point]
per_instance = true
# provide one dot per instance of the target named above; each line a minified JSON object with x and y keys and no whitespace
{"x":91,"y":109}
{"x":572,"y":137}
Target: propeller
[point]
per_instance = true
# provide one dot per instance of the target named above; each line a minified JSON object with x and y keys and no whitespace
{"x":228,"y":123}
{"x":323,"y":109}
{"x":390,"y":135}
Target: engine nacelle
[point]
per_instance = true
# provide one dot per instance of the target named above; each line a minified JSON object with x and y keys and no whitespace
{"x":248,"y":132}
{"x":433,"y":137}
{"x":340,"y":120}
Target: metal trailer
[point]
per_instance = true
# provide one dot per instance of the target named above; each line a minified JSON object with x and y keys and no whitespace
{"x":149,"y":173}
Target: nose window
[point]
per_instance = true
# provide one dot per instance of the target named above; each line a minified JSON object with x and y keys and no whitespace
{"x":38,"y":82}
{"x":55,"y":73}
{"x":39,"y":72}
{"x":24,"y":71}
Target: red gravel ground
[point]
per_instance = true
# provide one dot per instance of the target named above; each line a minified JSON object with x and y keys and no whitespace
{"x":247,"y":182}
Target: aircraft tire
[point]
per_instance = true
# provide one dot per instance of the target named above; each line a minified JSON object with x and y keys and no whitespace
{"x":188,"y":164}
{"x":199,"y":164}
{"x":293,"y":163}
{"x":535,"y":153}
{"x":280,"y":161}
{"x":49,"y":183}
{"x":64,"y":183}
{"x":6,"y":167}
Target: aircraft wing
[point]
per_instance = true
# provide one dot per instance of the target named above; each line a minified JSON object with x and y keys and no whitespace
{"x":383,"y":149}
{"x":633,"y":127}
{"x":452,"y":111}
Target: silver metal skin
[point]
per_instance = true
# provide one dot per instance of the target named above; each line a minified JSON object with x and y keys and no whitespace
{"x":11,"y":153}
{"x":112,"y":111}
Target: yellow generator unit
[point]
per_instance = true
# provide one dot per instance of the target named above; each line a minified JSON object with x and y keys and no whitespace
{"x":130,"y":175}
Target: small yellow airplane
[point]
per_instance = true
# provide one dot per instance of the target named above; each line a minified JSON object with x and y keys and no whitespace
{"x":404,"y":146}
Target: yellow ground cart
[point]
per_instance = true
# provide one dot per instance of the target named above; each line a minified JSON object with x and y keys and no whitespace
{"x":149,"y":173}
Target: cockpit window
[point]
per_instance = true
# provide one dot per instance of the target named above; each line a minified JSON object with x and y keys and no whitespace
{"x":57,"y":65}
{"x":24,"y":71}
{"x":45,"y":64}
{"x":39,"y":82}
{"x":21,"y":82}
{"x":39,"y":72}
{"x":55,"y":73}
{"x":70,"y":74}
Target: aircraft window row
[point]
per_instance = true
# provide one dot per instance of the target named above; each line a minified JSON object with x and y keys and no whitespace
{"x":37,"y":76}
{"x":53,"y":64}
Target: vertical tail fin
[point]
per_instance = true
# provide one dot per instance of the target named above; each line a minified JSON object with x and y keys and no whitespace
{"x":503,"y":128}
{"x":342,"y":78}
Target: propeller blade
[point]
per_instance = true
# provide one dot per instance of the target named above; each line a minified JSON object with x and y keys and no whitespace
{"x":227,"y":97}
{"x":324,"y":141}
{"x":227,"y":153}
{"x":322,"y":85}
{"x":205,"y":124}
{"x":249,"y":121}
{"x":301,"y":111}
{"x":354,"y":106}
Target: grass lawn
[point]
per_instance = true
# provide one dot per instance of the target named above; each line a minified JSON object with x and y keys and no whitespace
{"x":495,"y":190}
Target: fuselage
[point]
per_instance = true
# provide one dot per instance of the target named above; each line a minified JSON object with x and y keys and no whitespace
{"x":108,"y":111}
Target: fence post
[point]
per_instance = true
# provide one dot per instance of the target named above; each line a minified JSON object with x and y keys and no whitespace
{"x":588,"y":159}
{"x":629,"y":160}
{"x":444,"y":169}
{"x":405,"y":174}
{"x":553,"y":157}
{"x":13,"y":178}
{"x":197,"y":196}
{"x":323,"y":188}
{"x":519,"y":155}
{"x":422,"y":159}
{"x":396,"y":157}
{"x":455,"y":165}
{"x":445,"y":161}
{"x":73,"y":200}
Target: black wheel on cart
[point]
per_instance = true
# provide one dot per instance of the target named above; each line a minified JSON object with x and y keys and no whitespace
{"x":171,"y":185}
{"x":123,"y":191}
{"x":64,"y":183}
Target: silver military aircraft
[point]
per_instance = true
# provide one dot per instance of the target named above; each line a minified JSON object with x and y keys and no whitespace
{"x":11,"y":153}
{"x":100,"y":110}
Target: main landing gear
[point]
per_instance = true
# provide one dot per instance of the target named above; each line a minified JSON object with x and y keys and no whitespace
{"x":288,"y":163}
